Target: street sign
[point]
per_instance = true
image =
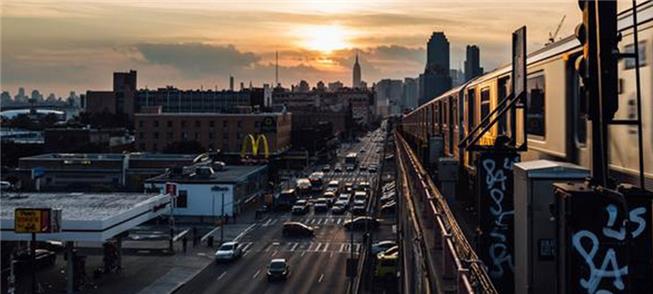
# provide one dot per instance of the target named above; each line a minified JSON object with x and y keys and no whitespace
{"x":37,"y":220}
{"x":219,"y":188}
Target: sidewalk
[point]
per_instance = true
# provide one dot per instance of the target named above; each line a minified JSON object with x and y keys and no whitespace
{"x":147,"y":267}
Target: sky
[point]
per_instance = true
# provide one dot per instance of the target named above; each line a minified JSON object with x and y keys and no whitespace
{"x":64,"y":45}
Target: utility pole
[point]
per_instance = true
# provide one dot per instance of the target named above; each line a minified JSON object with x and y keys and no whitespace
{"x":222,"y":222}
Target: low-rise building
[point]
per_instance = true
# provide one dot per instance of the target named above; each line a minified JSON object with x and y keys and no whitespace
{"x":212,"y":189}
{"x":231,"y":133}
{"x":80,"y":172}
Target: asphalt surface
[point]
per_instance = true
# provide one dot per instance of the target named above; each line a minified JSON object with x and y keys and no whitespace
{"x":317,"y":265}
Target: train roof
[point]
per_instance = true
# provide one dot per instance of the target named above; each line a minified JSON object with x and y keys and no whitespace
{"x":567,"y":44}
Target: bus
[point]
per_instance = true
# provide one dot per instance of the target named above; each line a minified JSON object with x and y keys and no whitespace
{"x":351,"y":161}
{"x":317,"y":181}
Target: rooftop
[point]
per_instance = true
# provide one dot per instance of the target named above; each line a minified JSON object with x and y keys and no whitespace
{"x":85,"y":216}
{"x":111,"y":156}
{"x":228,"y":174}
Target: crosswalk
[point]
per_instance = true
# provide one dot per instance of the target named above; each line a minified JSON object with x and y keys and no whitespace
{"x":301,"y":247}
{"x":325,"y":220}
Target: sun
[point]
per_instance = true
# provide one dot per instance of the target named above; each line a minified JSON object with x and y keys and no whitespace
{"x":324,"y":38}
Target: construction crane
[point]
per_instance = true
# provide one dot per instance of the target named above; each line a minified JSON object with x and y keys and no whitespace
{"x":552,"y":37}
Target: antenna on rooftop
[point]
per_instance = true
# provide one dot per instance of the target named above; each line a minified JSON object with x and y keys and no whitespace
{"x":276,"y":68}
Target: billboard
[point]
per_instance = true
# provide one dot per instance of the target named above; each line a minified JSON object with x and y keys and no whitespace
{"x":255,"y":144}
{"x":37,"y":220}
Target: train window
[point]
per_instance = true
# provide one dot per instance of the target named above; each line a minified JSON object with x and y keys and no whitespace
{"x":485,"y":102}
{"x":454,"y":112}
{"x":503,"y":92}
{"x":471,"y":102}
{"x":629,"y":63}
{"x":535,"y":100}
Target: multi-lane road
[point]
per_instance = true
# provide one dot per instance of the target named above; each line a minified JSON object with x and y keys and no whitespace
{"x":317,"y":264}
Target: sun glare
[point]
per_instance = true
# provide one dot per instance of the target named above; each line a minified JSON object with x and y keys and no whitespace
{"x":325,"y":38}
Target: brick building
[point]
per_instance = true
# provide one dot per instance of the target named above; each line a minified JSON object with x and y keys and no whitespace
{"x":224,"y":131}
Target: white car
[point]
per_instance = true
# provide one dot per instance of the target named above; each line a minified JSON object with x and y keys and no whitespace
{"x":228,"y":251}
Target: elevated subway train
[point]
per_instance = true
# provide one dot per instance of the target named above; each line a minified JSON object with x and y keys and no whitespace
{"x":556,"y":121}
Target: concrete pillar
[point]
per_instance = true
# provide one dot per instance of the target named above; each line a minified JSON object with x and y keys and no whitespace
{"x":119,"y":252}
{"x":70,"y":268}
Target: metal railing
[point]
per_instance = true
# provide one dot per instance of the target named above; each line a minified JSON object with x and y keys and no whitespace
{"x":459,"y":260}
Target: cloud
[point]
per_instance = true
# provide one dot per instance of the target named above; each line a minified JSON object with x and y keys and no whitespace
{"x":196,"y":59}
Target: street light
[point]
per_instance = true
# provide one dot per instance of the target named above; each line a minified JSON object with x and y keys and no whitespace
{"x":221,"y":189}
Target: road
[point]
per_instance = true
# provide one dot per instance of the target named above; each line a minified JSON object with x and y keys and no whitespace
{"x":317,"y":265}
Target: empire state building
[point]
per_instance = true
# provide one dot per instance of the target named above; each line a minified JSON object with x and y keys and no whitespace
{"x":356,"y":83}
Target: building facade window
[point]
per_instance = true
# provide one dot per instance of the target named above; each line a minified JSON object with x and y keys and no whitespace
{"x":170,"y":124}
{"x":156,"y":123}
{"x":182,"y":199}
{"x":198,"y":123}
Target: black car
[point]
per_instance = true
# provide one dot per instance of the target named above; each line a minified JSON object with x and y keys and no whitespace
{"x":361,"y":222}
{"x":278,"y":269}
{"x":297,"y":229}
{"x":389,"y":208}
{"x":44,"y":258}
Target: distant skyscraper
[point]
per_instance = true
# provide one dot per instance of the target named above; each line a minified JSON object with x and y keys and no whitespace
{"x":389,"y":94}
{"x":356,"y":83}
{"x":436,"y":79}
{"x":335,"y":86}
{"x":231,"y":83}
{"x":472,"y":62}
{"x":457,"y":77}
{"x":410,"y":93}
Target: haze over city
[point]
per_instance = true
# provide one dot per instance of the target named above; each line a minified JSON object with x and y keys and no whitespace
{"x":58,"y":46}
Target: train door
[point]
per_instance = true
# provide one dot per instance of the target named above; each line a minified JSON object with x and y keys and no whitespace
{"x":578,"y":141}
{"x":503,"y":90}
{"x":454,"y":126}
{"x":471,"y":122}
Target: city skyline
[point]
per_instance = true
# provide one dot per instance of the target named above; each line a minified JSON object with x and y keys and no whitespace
{"x":54,"y":46}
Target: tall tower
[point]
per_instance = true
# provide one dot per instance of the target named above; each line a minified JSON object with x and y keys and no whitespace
{"x":356,"y":83}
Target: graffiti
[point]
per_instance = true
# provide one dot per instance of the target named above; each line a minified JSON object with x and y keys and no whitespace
{"x":498,"y":179}
{"x":609,"y":265}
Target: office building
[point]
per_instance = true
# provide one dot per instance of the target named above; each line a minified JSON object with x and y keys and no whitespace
{"x":436,"y":79}
{"x":472,"y":62}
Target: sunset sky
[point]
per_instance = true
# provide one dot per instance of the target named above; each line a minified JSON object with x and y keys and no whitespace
{"x":58,"y":46}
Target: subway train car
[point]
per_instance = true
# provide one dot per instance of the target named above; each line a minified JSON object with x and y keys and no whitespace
{"x":556,"y":124}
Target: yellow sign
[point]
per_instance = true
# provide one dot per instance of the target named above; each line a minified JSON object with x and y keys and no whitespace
{"x":255,"y":143}
{"x":29,"y":220}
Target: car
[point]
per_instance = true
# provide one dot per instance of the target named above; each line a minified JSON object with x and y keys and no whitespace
{"x":351,"y":167}
{"x":358,"y":209}
{"x":386,"y":267}
{"x":338,"y":208}
{"x":363,"y":167}
{"x":360,"y":197}
{"x":389,"y":208}
{"x":228,"y":251}
{"x":361,"y":223}
{"x":43,"y":258}
{"x":394,"y":250}
{"x":321,"y":205}
{"x":362,"y":151}
{"x":364,"y":185}
{"x":381,"y":246}
{"x":345,"y":197}
{"x":387,"y":198}
{"x":337,"y":169}
{"x":297,"y":229}
{"x":372,"y":168}
{"x":278,"y":269}
{"x":326,"y":168}
{"x":300,"y":207}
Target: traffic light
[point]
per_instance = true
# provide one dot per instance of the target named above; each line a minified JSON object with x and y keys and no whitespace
{"x":597,"y":66}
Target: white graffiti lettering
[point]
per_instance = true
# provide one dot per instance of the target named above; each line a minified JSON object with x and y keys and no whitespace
{"x":635,"y":216}
{"x":597,"y":274}
{"x":496,"y":183}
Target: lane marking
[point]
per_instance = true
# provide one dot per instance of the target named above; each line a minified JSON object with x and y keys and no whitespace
{"x":222,"y":275}
{"x":274,"y":253}
{"x":294,"y":246}
{"x":256,"y":274}
{"x":342,"y":247}
{"x":321,"y":278}
{"x":303,"y":252}
{"x":331,"y":254}
{"x":326,"y":246}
